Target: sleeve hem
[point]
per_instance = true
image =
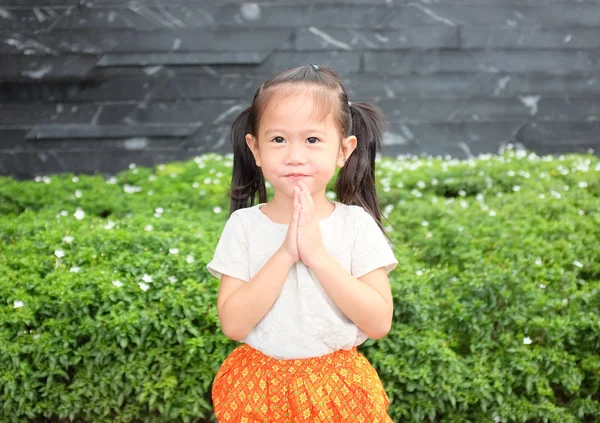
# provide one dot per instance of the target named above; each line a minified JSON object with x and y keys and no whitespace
{"x":389,"y":266}
{"x":218,"y":271}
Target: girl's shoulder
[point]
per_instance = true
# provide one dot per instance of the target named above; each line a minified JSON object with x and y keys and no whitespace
{"x":246,"y":215}
{"x":351,"y":213}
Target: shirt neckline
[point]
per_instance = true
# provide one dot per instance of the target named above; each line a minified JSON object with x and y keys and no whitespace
{"x":285,"y":225}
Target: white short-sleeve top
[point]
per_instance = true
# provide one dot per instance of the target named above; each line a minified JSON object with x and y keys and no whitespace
{"x":303,"y":322}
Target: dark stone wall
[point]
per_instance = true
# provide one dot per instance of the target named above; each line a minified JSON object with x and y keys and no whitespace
{"x":94,"y":85}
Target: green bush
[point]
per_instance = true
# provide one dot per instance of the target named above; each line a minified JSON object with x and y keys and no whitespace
{"x":107,"y":313}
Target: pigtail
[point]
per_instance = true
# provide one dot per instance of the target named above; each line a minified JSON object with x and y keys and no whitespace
{"x":355,"y":184}
{"x":246,"y":178}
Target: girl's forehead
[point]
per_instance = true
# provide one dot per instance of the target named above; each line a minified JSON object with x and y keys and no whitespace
{"x":299,"y":106}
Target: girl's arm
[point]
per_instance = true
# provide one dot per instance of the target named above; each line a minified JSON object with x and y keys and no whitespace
{"x":367,"y":301}
{"x":241,"y":305}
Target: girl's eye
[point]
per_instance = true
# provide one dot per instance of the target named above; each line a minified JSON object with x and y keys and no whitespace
{"x":312,"y":140}
{"x":278,"y":140}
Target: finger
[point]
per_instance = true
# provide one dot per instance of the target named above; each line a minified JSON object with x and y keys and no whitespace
{"x":305,"y":207}
{"x":308,"y":201}
{"x":296,"y":199}
{"x":295,"y":217}
{"x":302,"y":218}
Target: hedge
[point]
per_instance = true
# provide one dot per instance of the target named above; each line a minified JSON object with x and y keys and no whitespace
{"x":108,"y":314}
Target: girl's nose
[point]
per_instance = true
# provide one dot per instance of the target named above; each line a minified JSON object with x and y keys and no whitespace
{"x":295,"y":154}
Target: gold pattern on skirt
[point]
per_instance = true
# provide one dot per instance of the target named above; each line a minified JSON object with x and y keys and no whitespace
{"x":251,"y":387}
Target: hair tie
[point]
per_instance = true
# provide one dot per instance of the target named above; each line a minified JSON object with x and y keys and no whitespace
{"x":315,"y":67}
{"x":349,"y":104}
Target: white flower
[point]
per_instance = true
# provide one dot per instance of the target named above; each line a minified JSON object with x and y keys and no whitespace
{"x":77,"y":193}
{"x":421,"y":184}
{"x":75,"y":179}
{"x":132,"y":166}
{"x":566,"y":188}
{"x":555,"y":194}
{"x":68,"y":239}
{"x":130,"y":189}
{"x":159,"y":210}
{"x":578,"y":264}
{"x":267,"y":184}
{"x":581,"y":213}
{"x":511,"y":173}
{"x":400,"y":185}
{"x":47,"y":179}
{"x":565,"y":301}
{"x":172,"y":279}
{"x":64,"y":213}
{"x":173,"y":250}
{"x":492,"y":213}
{"x":118,"y":284}
{"x":147,"y":278}
{"x":424,"y":223}
{"x":217,"y":210}
{"x":75,"y":269}
{"x":527,"y":340}
{"x":464,"y":204}
{"x":161,"y":167}
{"x":59,"y":253}
{"x":143,"y":286}
{"x":330,"y":195}
{"x":109,"y":225}
{"x":79,"y":214}
{"x":541,"y":285}
{"x":542,"y":196}
{"x":582,"y":184}
{"x":111,"y":181}
{"x":152,"y":178}
{"x":149,"y":228}
{"x":428,"y":235}
{"x":516,"y":188}
{"x":419,"y":272}
{"x":462,"y":193}
{"x":388,"y":228}
{"x":538,"y":262}
{"x":18,"y":304}
{"x":189,"y":259}
{"x":207,"y":181}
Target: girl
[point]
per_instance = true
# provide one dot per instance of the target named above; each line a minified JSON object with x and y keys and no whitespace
{"x":303,"y":279}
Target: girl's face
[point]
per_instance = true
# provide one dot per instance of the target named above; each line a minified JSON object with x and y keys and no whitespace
{"x":296,"y":145}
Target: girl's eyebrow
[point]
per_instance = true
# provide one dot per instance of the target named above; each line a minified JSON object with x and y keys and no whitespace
{"x":307,"y":131}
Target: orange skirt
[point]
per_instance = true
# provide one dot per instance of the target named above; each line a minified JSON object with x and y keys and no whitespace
{"x":343,"y":386}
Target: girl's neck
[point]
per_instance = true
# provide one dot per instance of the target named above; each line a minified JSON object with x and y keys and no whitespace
{"x":280,"y":208}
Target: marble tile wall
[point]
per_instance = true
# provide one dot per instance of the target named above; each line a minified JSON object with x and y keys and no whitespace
{"x":94,"y":85}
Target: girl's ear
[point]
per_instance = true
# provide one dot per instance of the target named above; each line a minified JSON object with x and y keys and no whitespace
{"x":253,"y":146}
{"x":347,"y":147}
